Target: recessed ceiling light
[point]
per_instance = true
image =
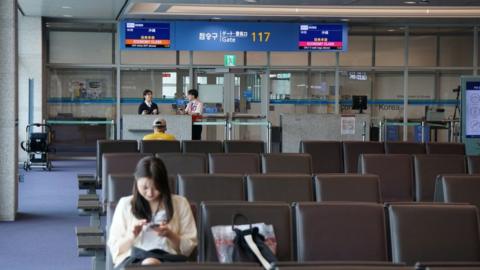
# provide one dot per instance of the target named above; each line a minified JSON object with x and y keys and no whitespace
{"x":66,"y":7}
{"x":67,"y":15}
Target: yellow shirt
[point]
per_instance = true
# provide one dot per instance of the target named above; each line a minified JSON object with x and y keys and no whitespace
{"x":159,"y":136}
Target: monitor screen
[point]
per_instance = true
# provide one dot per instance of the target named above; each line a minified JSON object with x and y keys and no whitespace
{"x":322,"y":37}
{"x":147,"y":35}
{"x":359,"y":103}
{"x":472,"y":109}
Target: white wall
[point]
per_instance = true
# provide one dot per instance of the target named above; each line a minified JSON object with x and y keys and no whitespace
{"x":30,"y":65}
{"x":80,"y":47}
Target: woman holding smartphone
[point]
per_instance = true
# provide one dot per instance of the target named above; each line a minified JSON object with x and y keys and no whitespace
{"x":152,"y":225}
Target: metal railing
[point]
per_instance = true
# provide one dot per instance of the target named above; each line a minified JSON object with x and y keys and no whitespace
{"x":450,"y":125}
{"x":243,"y":120}
{"x":110,"y":123}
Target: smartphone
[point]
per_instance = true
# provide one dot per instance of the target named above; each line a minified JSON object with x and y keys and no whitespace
{"x":154,"y":225}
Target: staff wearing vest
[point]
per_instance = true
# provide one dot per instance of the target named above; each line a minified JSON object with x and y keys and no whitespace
{"x":195,"y":109}
{"x":148,"y":106}
{"x":159,"y":128}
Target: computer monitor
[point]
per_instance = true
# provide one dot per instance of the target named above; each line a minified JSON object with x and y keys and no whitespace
{"x":359,"y":103}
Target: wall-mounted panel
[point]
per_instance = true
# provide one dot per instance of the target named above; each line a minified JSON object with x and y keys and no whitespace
{"x":359,"y":52}
{"x":289,"y":59}
{"x":215,"y":58}
{"x":80,"y":47}
{"x":422,"y":51}
{"x":389,"y":51}
{"x":149,"y":57}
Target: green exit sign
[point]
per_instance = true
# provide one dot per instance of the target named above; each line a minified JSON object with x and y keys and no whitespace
{"x":229,"y":60}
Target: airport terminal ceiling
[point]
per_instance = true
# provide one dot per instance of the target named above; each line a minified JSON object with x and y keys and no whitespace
{"x":354,"y":11}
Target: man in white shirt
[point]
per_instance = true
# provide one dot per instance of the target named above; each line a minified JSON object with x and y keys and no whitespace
{"x":195,"y":109}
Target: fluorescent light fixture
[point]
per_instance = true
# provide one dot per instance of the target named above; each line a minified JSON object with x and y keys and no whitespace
{"x":303,"y":11}
{"x":345,"y":20}
{"x":67,"y":16}
{"x":145,"y":7}
{"x":250,"y":1}
{"x":66,"y":7}
{"x":216,"y":18}
{"x":410,"y":2}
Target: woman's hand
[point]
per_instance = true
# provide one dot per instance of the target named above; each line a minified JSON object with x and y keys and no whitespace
{"x":163,"y":230}
{"x":137,"y":227}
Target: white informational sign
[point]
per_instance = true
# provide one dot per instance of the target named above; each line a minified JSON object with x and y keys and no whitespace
{"x":210,"y":93}
{"x":347,"y":125}
{"x":472,"y":113}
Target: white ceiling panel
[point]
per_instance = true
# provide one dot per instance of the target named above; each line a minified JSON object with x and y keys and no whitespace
{"x":78,"y":9}
{"x":163,"y":9}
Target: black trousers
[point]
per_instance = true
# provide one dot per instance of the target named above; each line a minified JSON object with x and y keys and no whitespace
{"x":196,"y":132}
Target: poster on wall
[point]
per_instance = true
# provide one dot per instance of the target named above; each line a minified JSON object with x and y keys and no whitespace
{"x":95,"y":89}
{"x":77,"y":88}
{"x":88,"y":89}
{"x":347,"y":125}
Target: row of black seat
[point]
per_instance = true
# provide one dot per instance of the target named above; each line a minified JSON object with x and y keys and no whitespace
{"x":341,"y":231}
{"x":336,"y":156}
{"x":268,"y":187}
{"x":312,"y":266}
{"x":230,"y":190}
{"x":346,"y":231}
{"x":296,"y":188}
{"x":402,"y":177}
{"x":327,"y":156}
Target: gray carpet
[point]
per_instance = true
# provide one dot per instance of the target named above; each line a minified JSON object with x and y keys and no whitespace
{"x":43,"y":237}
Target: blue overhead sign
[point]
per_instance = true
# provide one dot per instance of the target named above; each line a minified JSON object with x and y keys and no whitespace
{"x":205,"y":36}
{"x":233,"y":36}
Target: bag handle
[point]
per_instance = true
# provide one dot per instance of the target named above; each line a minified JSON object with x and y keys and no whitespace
{"x":237,"y":216}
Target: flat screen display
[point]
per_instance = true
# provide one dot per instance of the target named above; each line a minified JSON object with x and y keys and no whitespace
{"x":147,"y":35}
{"x":322,"y":37}
{"x":472,"y":110}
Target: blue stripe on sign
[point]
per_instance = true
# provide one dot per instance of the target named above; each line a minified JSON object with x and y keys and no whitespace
{"x":414,"y":102}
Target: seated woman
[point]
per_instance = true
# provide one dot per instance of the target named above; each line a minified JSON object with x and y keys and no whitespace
{"x":152,"y":225}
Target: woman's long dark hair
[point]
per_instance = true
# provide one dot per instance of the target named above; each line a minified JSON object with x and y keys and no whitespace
{"x":154,"y":169}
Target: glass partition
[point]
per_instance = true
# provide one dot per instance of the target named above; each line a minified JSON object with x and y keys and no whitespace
{"x":167,"y":85}
{"x":80,"y":108}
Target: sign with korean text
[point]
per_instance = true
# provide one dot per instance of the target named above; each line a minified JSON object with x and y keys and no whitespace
{"x":233,"y":36}
{"x":229,"y":36}
{"x":322,"y":37}
{"x":147,"y":35}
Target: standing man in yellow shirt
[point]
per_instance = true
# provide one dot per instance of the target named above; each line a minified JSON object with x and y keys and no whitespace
{"x":159,"y":128}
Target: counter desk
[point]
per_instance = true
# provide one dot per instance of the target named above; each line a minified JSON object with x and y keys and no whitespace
{"x":323,"y":127}
{"x":134,"y":127}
